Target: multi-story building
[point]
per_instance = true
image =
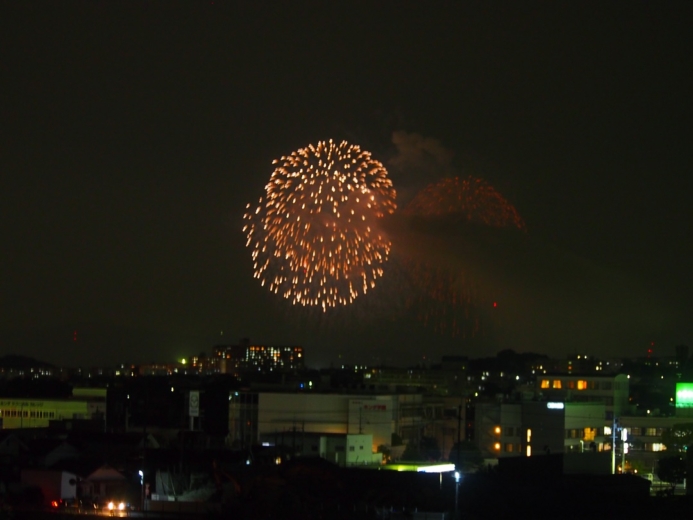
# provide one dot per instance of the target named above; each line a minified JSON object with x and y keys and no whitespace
{"x":253,"y":415}
{"x":237,"y":359}
{"x":498,"y":429}
{"x":86,"y":403}
{"x":612,"y":390}
{"x":644,"y":440}
{"x":540,"y":427}
{"x":342,"y":449}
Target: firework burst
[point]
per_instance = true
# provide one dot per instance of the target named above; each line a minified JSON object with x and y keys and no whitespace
{"x":447,"y":297}
{"x":468,"y":200}
{"x":314,"y":235}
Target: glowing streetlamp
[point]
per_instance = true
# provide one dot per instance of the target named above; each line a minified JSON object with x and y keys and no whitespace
{"x":141,"y":474}
{"x":457,"y":491}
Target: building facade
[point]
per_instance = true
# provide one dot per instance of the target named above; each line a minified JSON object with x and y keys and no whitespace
{"x":253,"y":415}
{"x":540,"y":427}
{"x":612,"y":390}
{"x":37,"y":413}
{"x":237,"y":359}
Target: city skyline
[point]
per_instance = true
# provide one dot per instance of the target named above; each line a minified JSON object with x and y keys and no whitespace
{"x":134,"y":137}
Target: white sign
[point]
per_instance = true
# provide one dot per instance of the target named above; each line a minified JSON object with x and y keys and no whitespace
{"x":555,"y":406}
{"x":194,"y":408}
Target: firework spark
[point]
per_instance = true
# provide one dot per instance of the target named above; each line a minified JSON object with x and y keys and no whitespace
{"x":314,"y":236}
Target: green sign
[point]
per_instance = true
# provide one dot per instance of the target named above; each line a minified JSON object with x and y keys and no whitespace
{"x":684,"y":395}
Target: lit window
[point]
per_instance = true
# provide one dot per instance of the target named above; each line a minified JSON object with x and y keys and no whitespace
{"x":497,"y":430}
{"x":529,"y":451}
{"x":529,"y":435}
{"x":544,"y":383}
{"x":497,"y":446}
{"x":582,"y":384}
{"x":509,"y":447}
{"x":556,"y":383}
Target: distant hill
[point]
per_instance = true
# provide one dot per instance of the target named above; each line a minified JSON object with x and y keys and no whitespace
{"x":16,"y":361}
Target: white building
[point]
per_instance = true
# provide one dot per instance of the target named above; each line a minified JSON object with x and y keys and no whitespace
{"x":256,"y":415}
{"x":342,"y":449}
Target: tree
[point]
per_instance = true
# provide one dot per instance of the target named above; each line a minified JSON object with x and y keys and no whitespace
{"x":386,"y":451}
{"x":429,"y":448}
{"x":466,"y":456}
{"x":671,"y":469}
{"x":425,"y":449}
{"x":678,"y":438}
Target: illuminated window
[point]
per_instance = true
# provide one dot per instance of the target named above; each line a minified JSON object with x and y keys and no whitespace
{"x":582,"y":384}
{"x":497,"y":446}
{"x":544,"y":383}
{"x":658,"y":446}
{"x":497,"y":430}
{"x":590,"y":434}
{"x":529,"y":435}
{"x":571,"y":384}
{"x":529,"y":451}
{"x":509,"y":447}
{"x":556,"y":383}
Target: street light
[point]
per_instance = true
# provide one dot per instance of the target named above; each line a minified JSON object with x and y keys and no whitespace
{"x":457,"y":490}
{"x":141,"y":474}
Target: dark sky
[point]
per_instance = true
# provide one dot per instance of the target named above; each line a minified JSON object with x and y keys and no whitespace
{"x":134,"y":133}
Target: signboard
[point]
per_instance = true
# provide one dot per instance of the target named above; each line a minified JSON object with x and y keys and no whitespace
{"x":194,"y":408}
{"x":684,"y":395}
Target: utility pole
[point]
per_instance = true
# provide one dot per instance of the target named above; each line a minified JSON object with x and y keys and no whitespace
{"x":459,"y":437}
{"x":613,"y":446}
{"x":624,"y":447}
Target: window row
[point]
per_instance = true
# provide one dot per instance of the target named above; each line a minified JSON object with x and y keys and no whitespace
{"x":580,"y":384}
{"x":646,"y":432}
{"x":30,"y":414}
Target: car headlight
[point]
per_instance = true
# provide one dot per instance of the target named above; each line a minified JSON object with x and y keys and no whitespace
{"x":121,"y":506}
{"x":111,"y":506}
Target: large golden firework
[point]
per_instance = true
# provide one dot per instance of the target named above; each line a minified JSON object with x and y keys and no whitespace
{"x":314,"y":235}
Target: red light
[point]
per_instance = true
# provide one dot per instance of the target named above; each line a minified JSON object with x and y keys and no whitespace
{"x":495,"y":304}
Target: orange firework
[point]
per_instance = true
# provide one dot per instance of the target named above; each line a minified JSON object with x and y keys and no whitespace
{"x":445,"y":297}
{"x":314,"y":235}
{"x":469,"y":200}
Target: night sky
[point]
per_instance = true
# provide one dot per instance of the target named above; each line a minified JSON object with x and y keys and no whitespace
{"x":133,"y":134}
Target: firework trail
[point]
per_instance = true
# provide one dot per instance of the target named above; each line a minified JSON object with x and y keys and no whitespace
{"x":314,"y":235}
